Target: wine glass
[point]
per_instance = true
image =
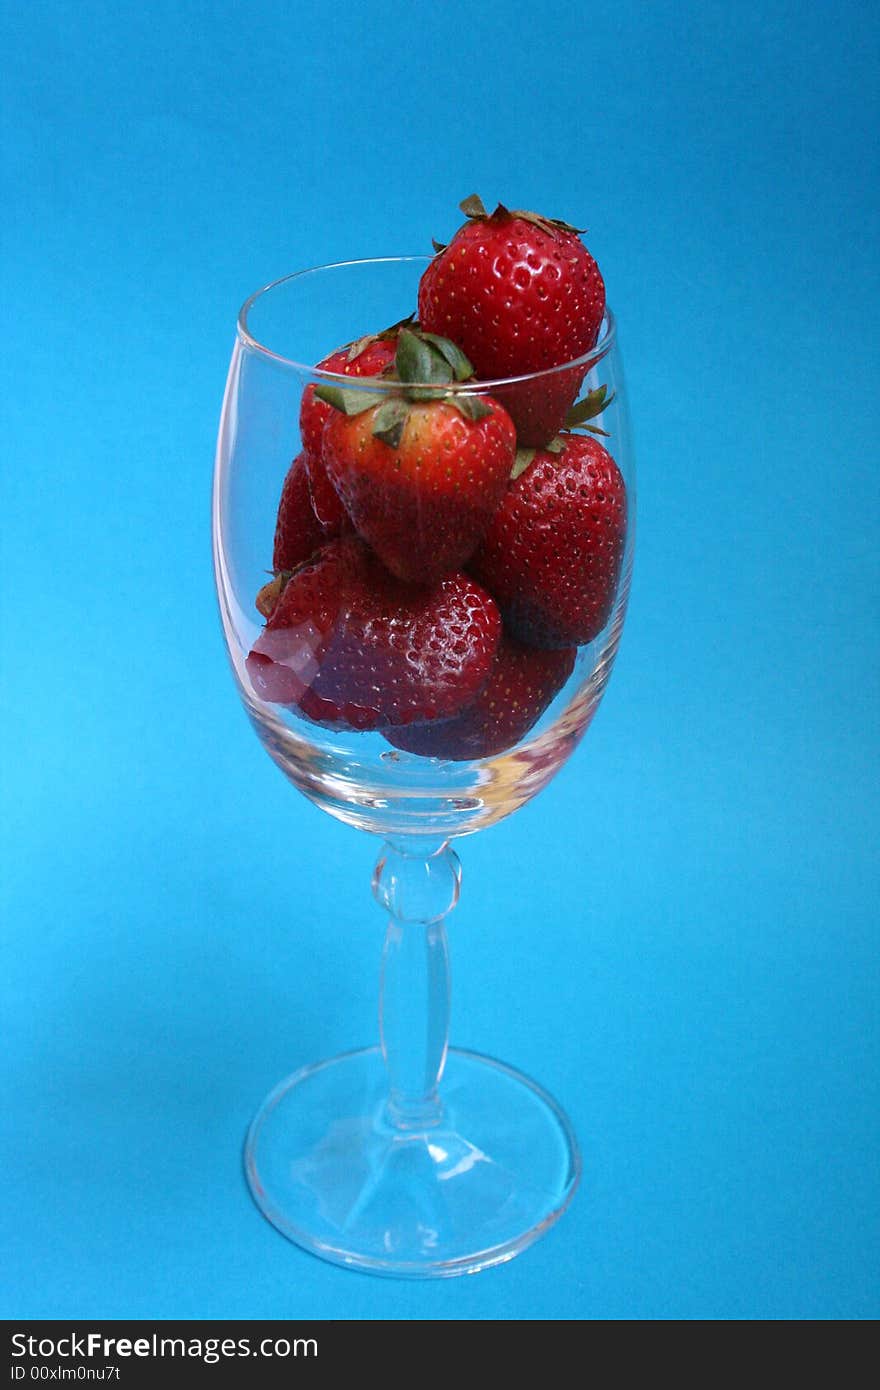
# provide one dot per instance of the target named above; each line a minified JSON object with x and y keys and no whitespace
{"x":405,"y":1157}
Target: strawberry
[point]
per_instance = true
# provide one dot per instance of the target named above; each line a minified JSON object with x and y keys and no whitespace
{"x":420,"y":468}
{"x":332,"y":516}
{"x":553,"y":553}
{"x":518,"y":293}
{"x":521,"y":685}
{"x":297,"y":531}
{"x":351,"y":647}
{"x":367,"y":357}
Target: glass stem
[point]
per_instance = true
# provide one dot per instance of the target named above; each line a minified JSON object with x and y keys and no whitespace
{"x":417,"y":880}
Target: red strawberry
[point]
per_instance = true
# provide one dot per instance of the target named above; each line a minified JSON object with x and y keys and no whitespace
{"x":518,"y":293}
{"x":521,"y":685}
{"x":553,"y":553}
{"x":353,"y":648}
{"x":366,"y":357}
{"x":297,"y":532}
{"x":421,"y":470}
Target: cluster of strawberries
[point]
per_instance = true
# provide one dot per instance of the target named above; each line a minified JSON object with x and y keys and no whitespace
{"x":441,"y":553}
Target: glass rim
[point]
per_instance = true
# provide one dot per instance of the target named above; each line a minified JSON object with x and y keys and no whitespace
{"x":603,"y":345}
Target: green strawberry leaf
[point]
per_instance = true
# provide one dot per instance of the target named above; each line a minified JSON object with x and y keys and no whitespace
{"x":593,"y":403}
{"x":461,"y":367}
{"x":427,"y":393}
{"x":471,"y":407}
{"x":417,"y":361}
{"x":594,"y":429}
{"x":389,"y":421}
{"x":521,"y":462}
{"x":348,"y":400}
{"x":524,"y":456}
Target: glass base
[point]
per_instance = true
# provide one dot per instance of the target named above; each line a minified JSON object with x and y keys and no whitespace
{"x":328,"y":1169}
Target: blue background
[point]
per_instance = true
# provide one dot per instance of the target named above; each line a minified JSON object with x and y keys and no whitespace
{"x":678,"y":937}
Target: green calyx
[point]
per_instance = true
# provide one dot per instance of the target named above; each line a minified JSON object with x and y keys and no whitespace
{"x":390,"y":420}
{"x":426,"y":366}
{"x":426,"y":357}
{"x":521,"y":462}
{"x":525,"y":456}
{"x":474,"y":209}
{"x":593,"y":403}
{"x":348,"y":399}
